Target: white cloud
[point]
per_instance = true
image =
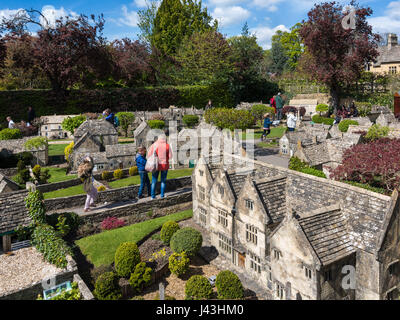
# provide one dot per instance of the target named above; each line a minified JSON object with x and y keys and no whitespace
{"x":390,"y":21}
{"x":140,"y":3}
{"x":51,"y":14}
{"x":130,"y":18}
{"x":224,"y":3}
{"x":264,"y":34}
{"x":270,"y":5}
{"x":227,"y":16}
{"x":7,"y":13}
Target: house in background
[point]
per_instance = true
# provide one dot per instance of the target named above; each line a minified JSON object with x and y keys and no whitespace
{"x":51,"y":127}
{"x":388,"y":60}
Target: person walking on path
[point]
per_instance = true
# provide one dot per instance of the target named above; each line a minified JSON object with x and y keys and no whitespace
{"x":164,"y":154}
{"x":279,"y":105}
{"x":144,"y":177}
{"x":85,"y":171}
{"x":208,"y":105}
{"x":266,"y":126}
{"x":291,"y":121}
{"x":31,"y":116}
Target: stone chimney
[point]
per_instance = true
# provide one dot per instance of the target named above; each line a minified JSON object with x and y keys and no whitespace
{"x":392,"y":40}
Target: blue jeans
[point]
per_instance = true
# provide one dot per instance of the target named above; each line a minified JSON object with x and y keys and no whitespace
{"x":144,"y":182}
{"x":291,"y":129}
{"x":154,"y":182}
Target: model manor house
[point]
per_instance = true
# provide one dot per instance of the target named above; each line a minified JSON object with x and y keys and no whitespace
{"x":296,"y":234}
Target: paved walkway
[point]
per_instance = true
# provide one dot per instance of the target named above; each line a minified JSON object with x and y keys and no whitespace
{"x":101,"y":207}
{"x":270,"y":155}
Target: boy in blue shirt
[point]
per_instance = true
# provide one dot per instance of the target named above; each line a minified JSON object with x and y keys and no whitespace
{"x":144,"y":178}
{"x":266,"y":126}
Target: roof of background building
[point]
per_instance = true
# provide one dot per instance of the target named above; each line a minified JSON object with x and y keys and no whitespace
{"x":13,"y":211}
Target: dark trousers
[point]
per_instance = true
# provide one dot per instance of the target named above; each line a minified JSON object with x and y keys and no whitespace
{"x":279,"y":113}
{"x":266,"y":132}
{"x":144,"y":182}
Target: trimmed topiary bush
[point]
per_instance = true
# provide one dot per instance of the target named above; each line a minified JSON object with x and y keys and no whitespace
{"x":127,"y":257}
{"x":141,"y":277}
{"x":118,"y":174}
{"x":68,"y":151}
{"x":188,"y":240}
{"x":107,"y":288}
{"x":322,"y":107}
{"x":190,"y":120}
{"x":179,"y":263}
{"x":229,"y":285}
{"x":156,"y":124}
{"x":318,"y":119}
{"x":133,"y":171}
{"x":377,"y":132}
{"x":198,"y":288}
{"x":167,"y":231}
{"x":344,"y":124}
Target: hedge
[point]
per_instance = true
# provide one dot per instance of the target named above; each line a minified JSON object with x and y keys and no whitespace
{"x":318,"y":119}
{"x":9,"y":134}
{"x":225,"y":118}
{"x":47,"y":102}
{"x":344,"y":124}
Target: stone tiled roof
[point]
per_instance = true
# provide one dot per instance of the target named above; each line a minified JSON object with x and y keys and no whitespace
{"x":142,"y":127}
{"x":387,"y":55}
{"x":96,"y":128}
{"x":13,"y":211}
{"x":81,"y":139}
{"x":317,"y":154}
{"x":120,"y":150}
{"x":236,"y":181}
{"x":328,"y":235}
{"x":6,"y":182}
{"x":273,"y":196}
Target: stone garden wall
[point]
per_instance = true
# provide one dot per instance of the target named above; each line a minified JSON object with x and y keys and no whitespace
{"x":112,"y":195}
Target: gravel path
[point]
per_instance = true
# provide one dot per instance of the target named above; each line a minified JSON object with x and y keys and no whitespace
{"x":23,"y":268}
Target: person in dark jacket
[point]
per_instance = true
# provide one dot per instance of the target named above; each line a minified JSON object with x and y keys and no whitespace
{"x":266,"y":126}
{"x":144,"y":177}
{"x":31,"y":116}
{"x":109,"y":116}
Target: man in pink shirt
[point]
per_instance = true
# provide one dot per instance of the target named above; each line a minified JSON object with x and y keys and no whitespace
{"x":164,"y":154}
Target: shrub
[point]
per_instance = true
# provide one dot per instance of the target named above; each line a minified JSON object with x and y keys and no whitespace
{"x":344,"y":124}
{"x":125,"y":120}
{"x":229,"y":285}
{"x":68,"y":151}
{"x":296,"y":164}
{"x":23,"y":175}
{"x":107,"y":287}
{"x":190,"y":120}
{"x":36,"y":143}
{"x":41,"y":175}
{"x":101,"y":188}
{"x":258,"y":111}
{"x":26,"y":157}
{"x":9,"y":134}
{"x":313,"y":172}
{"x":70,"y":124}
{"x":133,"y":171}
{"x":110,"y":223}
{"x":127,"y":257}
{"x":302,"y":111}
{"x":118,"y":174}
{"x":225,"y":118}
{"x":318,"y":119}
{"x":156,"y":124}
{"x":322,"y":108}
{"x":35,"y":205}
{"x":377,"y":131}
{"x":198,"y":288}
{"x":96,"y":272}
{"x":66,"y":221}
{"x":53,"y":248}
{"x":364,"y":108}
{"x":141,"y":277}
{"x":167,"y":231}
{"x":188,"y":240}
{"x":179,"y":263}
{"x":106,"y":175}
{"x":376,"y":163}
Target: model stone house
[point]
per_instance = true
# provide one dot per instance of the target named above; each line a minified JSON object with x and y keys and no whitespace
{"x":298,"y":235}
{"x":7,"y":185}
{"x":99,"y":139}
{"x":51,"y":127}
{"x":388,"y":60}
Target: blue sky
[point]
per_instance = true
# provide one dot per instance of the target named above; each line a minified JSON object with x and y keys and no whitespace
{"x":264,"y":17}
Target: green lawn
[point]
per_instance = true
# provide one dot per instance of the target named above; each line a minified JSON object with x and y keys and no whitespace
{"x":100,"y":248}
{"x":58,"y":174}
{"x":267,"y":145}
{"x":276,"y":132}
{"x":75,"y":190}
{"x":57,"y":149}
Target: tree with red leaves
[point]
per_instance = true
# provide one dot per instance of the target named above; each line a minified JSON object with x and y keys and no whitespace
{"x":69,"y":51}
{"x":132,"y":62}
{"x":376,"y":163}
{"x":337,"y":53}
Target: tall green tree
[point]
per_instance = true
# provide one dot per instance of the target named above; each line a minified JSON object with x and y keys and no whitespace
{"x":292,"y":45}
{"x":205,"y":57}
{"x":176,"y":20}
